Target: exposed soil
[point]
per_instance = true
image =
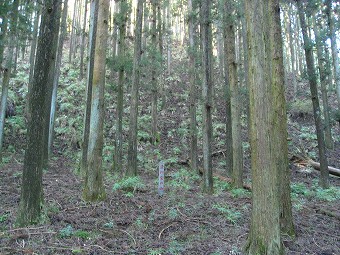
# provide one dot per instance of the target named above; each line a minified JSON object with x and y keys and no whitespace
{"x":184,"y":220}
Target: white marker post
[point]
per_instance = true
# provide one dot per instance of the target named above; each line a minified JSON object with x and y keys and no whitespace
{"x":161,"y":179}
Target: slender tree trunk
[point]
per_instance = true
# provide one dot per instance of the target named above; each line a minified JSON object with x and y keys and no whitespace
{"x":8,"y":71}
{"x":89,"y":80}
{"x":63,"y":31}
{"x":292,"y":51}
{"x":114,"y":39}
{"x":82,"y":49}
{"x":237,"y":169}
{"x":132,"y":150}
{"x":154,"y":83}
{"x":118,"y":156}
{"x":73,"y":27}
{"x":324,"y":182}
{"x":51,"y":77}
{"x":146,"y":25}
{"x":193,"y":89}
{"x":31,"y":199}
{"x":169,"y":37}
{"x":264,"y":236}
{"x":207,"y":87}
{"x":93,"y":183}
{"x":32,"y":56}
{"x":229,"y":144}
{"x":2,"y":37}
{"x":280,"y":144}
{"x":323,"y":81}
{"x":334,"y":47}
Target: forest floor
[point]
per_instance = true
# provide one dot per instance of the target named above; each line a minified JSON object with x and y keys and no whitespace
{"x":134,"y":219}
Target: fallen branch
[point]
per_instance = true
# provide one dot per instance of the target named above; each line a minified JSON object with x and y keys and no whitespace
{"x":316,"y":165}
{"x":160,"y":233}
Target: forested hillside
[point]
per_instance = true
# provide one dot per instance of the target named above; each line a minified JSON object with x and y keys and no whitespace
{"x":169,"y":127}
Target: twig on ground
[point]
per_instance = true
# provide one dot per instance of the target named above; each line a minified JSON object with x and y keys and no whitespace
{"x":160,"y":233}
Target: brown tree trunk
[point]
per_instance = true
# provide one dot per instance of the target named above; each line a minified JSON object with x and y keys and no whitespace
{"x":237,"y":168}
{"x":207,"y":87}
{"x":93,"y":181}
{"x":132,"y":150}
{"x":324,"y":183}
{"x":264,"y":236}
{"x":31,"y":198}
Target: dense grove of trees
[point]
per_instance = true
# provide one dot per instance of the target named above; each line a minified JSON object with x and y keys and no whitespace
{"x":257,"y":46}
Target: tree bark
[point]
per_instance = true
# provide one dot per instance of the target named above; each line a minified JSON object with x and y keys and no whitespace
{"x":63,"y":31}
{"x":323,"y":72}
{"x":334,"y":47}
{"x":89,"y":80}
{"x":82,"y":47}
{"x":132,"y":151}
{"x":280,"y":144}
{"x":93,"y":183}
{"x":237,"y":168}
{"x":8,"y":71}
{"x":264,"y":236}
{"x":324,"y":183}
{"x":31,"y":198}
{"x":121,"y":22}
{"x":207,"y":87}
{"x":32,"y":56}
{"x":192,"y":92}
{"x":154,"y":82}
{"x":51,"y":77}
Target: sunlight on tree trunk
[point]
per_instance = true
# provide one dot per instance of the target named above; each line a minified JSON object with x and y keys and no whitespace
{"x":132,"y":150}
{"x":264,"y":236}
{"x":308,"y":46}
{"x":93,"y":183}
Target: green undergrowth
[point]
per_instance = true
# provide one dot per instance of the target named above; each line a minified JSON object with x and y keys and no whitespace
{"x":128,"y":185}
{"x":301,"y":193}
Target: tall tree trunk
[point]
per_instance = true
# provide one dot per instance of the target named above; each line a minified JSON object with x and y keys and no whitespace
{"x":280,"y":134}
{"x":114,"y":39}
{"x":193,"y":88}
{"x":292,"y":51}
{"x":51,"y":78}
{"x":320,"y":45}
{"x":207,"y":87}
{"x":146,"y":25}
{"x":33,"y":55}
{"x":93,"y":183}
{"x":264,"y":236}
{"x":229,"y":144}
{"x":8,"y":70}
{"x":63,"y":31}
{"x":169,"y":37}
{"x":73,"y":32}
{"x":3,"y":35}
{"x":154,"y":82}
{"x":132,"y":150}
{"x":31,"y":198}
{"x":82,"y":47}
{"x":237,"y":168}
{"x":334,"y":47}
{"x":324,"y":182}
{"x":89,"y":81}
{"x":121,"y":20}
